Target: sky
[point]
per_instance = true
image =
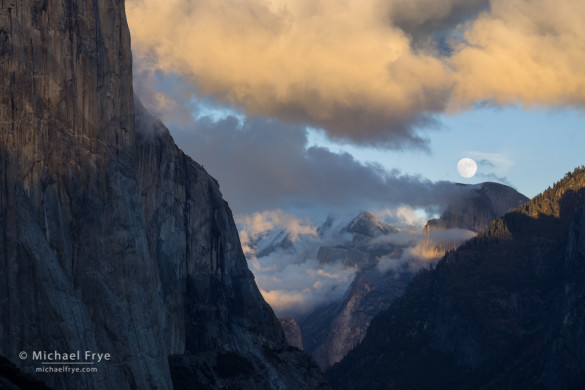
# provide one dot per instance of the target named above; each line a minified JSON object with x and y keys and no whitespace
{"x":318,"y":107}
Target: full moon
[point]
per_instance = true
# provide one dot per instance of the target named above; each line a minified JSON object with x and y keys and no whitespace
{"x":466,"y":167}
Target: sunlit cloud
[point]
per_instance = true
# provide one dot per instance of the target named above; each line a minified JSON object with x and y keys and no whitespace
{"x":422,"y":250}
{"x":297,"y":279}
{"x":339,"y":66}
{"x":297,"y":288}
{"x":523,"y":52}
{"x":402,"y":216}
{"x":267,"y":220}
{"x":370,"y":72}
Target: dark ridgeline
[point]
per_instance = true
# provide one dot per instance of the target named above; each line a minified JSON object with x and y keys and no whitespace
{"x":504,"y":311}
{"x":111,"y":239}
{"x":330,"y":332}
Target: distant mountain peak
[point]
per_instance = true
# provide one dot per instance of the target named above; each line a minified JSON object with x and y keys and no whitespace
{"x":476,"y":209}
{"x":366,"y":224}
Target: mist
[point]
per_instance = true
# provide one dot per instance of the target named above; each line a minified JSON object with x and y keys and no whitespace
{"x":283,"y":252}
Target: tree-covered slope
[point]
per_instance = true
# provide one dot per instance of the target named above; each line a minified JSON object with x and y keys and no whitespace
{"x":505,"y":310}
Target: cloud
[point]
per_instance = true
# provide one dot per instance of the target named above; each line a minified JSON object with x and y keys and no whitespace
{"x":436,"y":237}
{"x":486,"y":163}
{"x":291,"y":280}
{"x":267,"y":220}
{"x":264,"y":164}
{"x":167,"y":98}
{"x":431,"y":23}
{"x":497,"y":161}
{"x":294,"y":286}
{"x":492,"y":166}
{"x":295,"y":280}
{"x":494,"y":177}
{"x":339,"y":66}
{"x":402,"y":216}
{"x":527,"y":52}
{"x":446,"y":236}
{"x":370,"y":72}
{"x":422,"y":250}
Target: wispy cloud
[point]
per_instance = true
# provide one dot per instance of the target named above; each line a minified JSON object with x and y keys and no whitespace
{"x":402,"y":216}
{"x":276,"y":219}
{"x":498,"y":161}
{"x":496,"y":178}
{"x":492,"y":166}
{"x":299,"y":288}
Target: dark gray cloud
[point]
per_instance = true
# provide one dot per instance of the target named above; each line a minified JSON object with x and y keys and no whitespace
{"x":264,"y":164}
{"x":434,"y":23}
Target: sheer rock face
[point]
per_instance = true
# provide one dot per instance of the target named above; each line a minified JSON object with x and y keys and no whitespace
{"x":77,"y":274}
{"x":110,"y":241}
{"x":208,"y":290}
{"x":292,"y":331}
{"x":330,"y":332}
{"x":218,"y":329}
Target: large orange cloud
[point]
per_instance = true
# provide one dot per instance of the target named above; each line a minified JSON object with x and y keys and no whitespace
{"x":369,"y":71}
{"x":528,"y":52}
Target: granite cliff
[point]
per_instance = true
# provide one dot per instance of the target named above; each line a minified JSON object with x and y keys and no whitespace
{"x":477,"y":208}
{"x":111,"y":239}
{"x":219,"y":331}
{"x":292,"y":331}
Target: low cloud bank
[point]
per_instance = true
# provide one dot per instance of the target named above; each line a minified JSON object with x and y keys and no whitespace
{"x":293,"y":278}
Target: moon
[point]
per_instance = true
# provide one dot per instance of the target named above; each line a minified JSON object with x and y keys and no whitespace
{"x":466,"y":167}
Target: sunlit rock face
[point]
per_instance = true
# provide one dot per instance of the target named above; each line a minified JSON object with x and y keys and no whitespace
{"x":111,"y":239}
